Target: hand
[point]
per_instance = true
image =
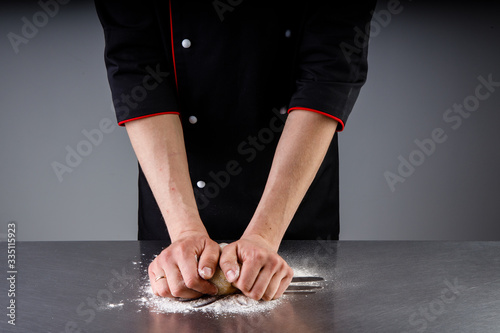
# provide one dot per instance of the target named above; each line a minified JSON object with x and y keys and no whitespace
{"x":185,"y":276}
{"x":263,"y":273}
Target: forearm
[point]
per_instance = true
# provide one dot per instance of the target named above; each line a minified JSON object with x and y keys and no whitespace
{"x":299,"y":154}
{"x":158,"y":143}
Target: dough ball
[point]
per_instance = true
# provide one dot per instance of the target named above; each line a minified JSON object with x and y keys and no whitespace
{"x":225,"y":288}
{"x":219,"y":279}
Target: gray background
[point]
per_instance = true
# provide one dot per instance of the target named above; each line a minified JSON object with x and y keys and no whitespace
{"x":425,"y":59}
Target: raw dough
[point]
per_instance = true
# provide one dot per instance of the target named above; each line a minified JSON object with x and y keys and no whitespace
{"x":225,"y":288}
{"x":219,"y":279}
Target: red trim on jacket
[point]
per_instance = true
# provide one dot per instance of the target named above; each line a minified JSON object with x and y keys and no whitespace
{"x":341,"y":123}
{"x":122,"y":123}
{"x":172,"y":42}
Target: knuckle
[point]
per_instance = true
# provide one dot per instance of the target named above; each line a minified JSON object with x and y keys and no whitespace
{"x":250,"y":285}
{"x":176,"y":252}
{"x":277,"y":295}
{"x":165,"y":256}
{"x":181,"y":246}
{"x":210,"y":253}
{"x":274,"y":263}
{"x":210,"y":261}
{"x":191,"y":282}
{"x":162,"y":291}
{"x":226,"y":263}
{"x":260,"y":255}
{"x":215,"y":256}
{"x":255,"y":295}
{"x":212,"y":247}
{"x":244,"y":287}
{"x":256,"y":255}
{"x":177,"y":290}
{"x":167,"y":250}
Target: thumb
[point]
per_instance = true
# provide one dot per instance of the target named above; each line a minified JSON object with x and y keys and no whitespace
{"x":208,"y":260}
{"x":228,"y":263}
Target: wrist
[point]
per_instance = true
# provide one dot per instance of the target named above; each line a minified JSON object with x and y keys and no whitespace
{"x":263,"y":232}
{"x":181,"y":224}
{"x":187,"y":233}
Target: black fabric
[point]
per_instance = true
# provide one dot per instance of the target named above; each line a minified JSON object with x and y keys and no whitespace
{"x":246,"y":62}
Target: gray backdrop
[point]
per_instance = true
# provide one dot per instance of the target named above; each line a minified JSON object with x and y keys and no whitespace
{"x":419,"y":155}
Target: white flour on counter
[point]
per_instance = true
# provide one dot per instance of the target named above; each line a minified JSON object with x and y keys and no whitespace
{"x":226,"y":306}
{"x":231,"y":304}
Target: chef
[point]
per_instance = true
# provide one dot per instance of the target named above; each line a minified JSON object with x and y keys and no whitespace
{"x":232,"y":109}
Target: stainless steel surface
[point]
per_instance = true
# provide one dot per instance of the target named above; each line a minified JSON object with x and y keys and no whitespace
{"x":306,"y":279}
{"x":292,"y":288}
{"x":368,"y":287}
{"x":302,"y":288}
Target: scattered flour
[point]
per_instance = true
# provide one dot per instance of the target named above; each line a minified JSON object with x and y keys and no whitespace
{"x":227,"y":305}
{"x":303,"y":272}
{"x":115,"y":305}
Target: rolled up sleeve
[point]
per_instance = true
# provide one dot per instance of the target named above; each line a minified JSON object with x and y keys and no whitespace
{"x":332,"y":58}
{"x":139,"y":72}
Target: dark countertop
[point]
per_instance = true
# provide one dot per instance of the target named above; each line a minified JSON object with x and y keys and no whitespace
{"x":369,"y":287}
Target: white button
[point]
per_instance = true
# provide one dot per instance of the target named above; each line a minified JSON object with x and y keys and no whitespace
{"x":283,"y":110}
{"x":288,"y":33}
{"x":200,"y":184}
{"x":193,"y":119}
{"x":186,"y":43}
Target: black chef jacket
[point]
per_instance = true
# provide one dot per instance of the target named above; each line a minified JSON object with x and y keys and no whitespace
{"x":232,"y":70}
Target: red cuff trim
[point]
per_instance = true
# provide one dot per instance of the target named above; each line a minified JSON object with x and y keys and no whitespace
{"x":341,"y":123}
{"x":122,"y":123}
{"x":172,"y":42}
